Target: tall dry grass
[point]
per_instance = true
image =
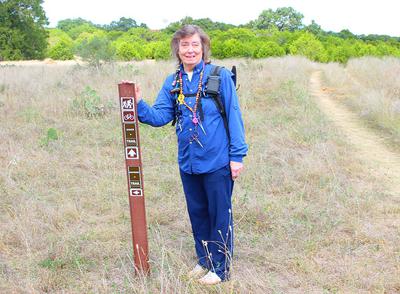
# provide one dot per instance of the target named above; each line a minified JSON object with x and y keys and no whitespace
{"x":308,"y":218}
{"x":372,"y":88}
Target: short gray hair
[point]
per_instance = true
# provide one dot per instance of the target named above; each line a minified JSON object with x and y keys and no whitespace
{"x":187,"y":31}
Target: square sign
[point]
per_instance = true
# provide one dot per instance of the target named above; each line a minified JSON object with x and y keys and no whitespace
{"x":136,"y":192}
{"x":130,"y":135}
{"x":128,"y":116}
{"x":134,"y":178}
{"x":132,"y":153}
{"x":127,"y":103}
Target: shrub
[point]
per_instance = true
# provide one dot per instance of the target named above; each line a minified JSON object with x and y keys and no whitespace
{"x":308,"y":46}
{"x":94,"y":48}
{"x":60,"y":45}
{"x":162,"y":50}
{"x":51,"y":135}
{"x":217,"y":49}
{"x":77,"y":31}
{"x":234,"y":48}
{"x":89,"y":103}
{"x":63,"y":50}
{"x":269,"y":48}
{"x":129,"y":51}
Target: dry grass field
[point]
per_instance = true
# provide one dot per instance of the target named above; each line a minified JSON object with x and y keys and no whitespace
{"x":310,"y":216}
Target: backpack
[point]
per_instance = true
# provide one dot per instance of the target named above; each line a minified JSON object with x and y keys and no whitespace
{"x":212,"y":90}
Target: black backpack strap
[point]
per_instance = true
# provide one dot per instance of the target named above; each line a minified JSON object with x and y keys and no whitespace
{"x":212,"y":89}
{"x":175,"y":92}
{"x":175,"y":117}
{"x":190,"y":94}
{"x":176,"y":111}
{"x":234,"y":75}
{"x":214,"y":77}
{"x":213,"y":81}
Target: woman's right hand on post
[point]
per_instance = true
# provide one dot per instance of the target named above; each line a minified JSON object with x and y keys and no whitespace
{"x":138,"y":91}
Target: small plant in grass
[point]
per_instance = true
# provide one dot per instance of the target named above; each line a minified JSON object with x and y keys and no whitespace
{"x":30,"y":114}
{"x":75,"y":262}
{"x":51,"y":135}
{"x":89,"y":103}
{"x":3,"y":88}
{"x":52,"y":264}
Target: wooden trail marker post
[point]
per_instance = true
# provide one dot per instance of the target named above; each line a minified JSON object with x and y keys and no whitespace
{"x":133,"y":163}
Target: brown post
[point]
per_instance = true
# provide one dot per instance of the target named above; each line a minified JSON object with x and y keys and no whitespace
{"x":134,"y":172}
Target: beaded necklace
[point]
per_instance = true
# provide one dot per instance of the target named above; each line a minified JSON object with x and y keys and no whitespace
{"x":181,"y":97}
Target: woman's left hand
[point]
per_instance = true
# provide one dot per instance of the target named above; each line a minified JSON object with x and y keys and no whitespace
{"x":236,"y":169}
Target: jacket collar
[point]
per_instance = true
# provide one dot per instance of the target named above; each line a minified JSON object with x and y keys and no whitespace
{"x":196,"y":69}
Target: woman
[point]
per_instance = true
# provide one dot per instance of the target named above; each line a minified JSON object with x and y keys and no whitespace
{"x":209,"y":161}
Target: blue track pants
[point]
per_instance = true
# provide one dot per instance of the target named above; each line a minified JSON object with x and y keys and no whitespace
{"x":209,"y":203}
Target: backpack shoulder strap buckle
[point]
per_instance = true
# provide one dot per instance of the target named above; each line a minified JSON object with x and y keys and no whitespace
{"x":213,"y":82}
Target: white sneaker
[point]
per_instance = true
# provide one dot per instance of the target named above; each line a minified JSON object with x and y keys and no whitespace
{"x":197,"y":271}
{"x":210,"y":278}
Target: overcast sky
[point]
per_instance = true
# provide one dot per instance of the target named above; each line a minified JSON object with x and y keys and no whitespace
{"x":359,"y":16}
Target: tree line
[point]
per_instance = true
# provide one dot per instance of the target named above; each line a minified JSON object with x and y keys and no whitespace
{"x":274,"y":33}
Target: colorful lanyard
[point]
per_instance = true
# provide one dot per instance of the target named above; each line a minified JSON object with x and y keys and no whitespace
{"x":181,"y":97}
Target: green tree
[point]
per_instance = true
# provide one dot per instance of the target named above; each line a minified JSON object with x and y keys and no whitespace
{"x":236,"y":48}
{"x":267,"y":49}
{"x":365,"y":49}
{"x":76,"y":31}
{"x":68,"y":24}
{"x":285,"y":38}
{"x":141,"y":43}
{"x":346,"y":34}
{"x":240,"y":34}
{"x":94,"y":48}
{"x":114,"y":35}
{"x":314,"y":28}
{"x":338,"y":49}
{"x":385,"y":38}
{"x":160,"y":50}
{"x":76,"y":26}
{"x":385,"y":49}
{"x":284,"y":18}
{"x":22,"y":32}
{"x":130,"y":50}
{"x":142,"y":35}
{"x":60,"y":45}
{"x":124,"y":24}
{"x":63,"y":50}
{"x":205,"y":23}
{"x":308,"y":45}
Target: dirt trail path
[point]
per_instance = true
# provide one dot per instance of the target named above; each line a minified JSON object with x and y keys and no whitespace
{"x":368,"y":147}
